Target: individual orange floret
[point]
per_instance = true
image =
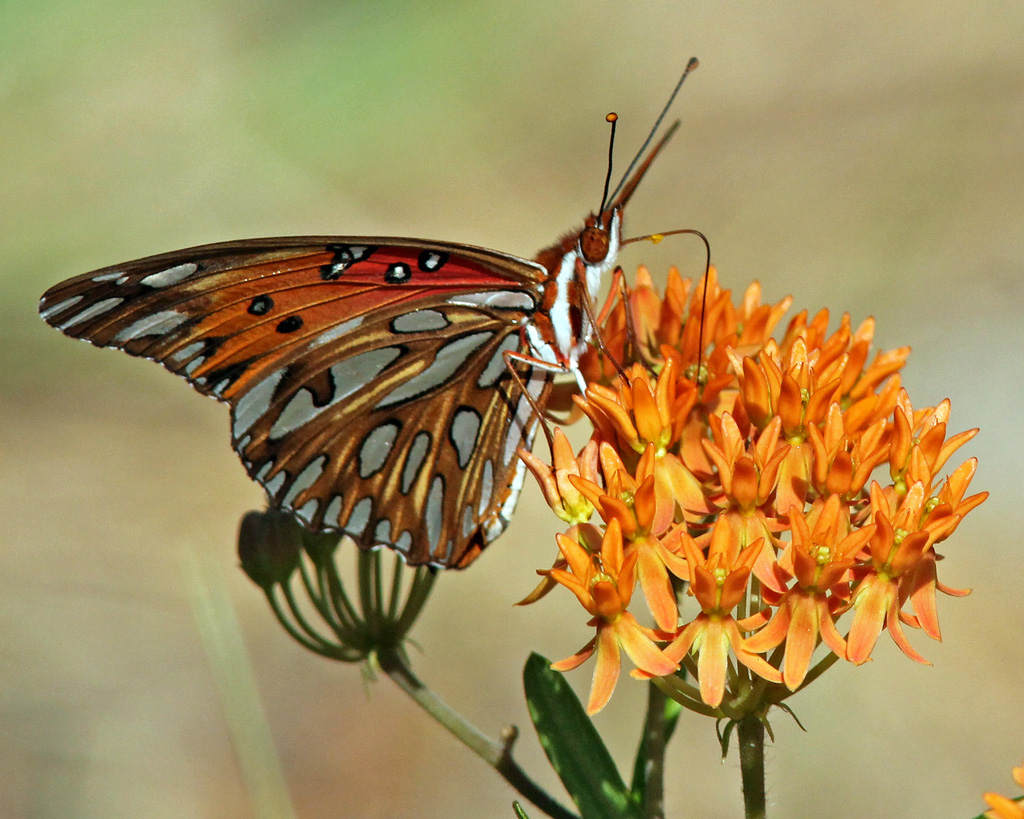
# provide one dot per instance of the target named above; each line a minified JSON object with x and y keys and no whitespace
{"x":842,"y":462}
{"x":748,"y":473}
{"x":895,"y":553}
{"x":642,"y":411}
{"x":603,"y":582}
{"x":819,"y":559}
{"x":649,"y":414}
{"x":565,"y":499}
{"x":643,"y":507}
{"x":936,"y":517}
{"x":919,"y":448}
{"x":719,"y":584}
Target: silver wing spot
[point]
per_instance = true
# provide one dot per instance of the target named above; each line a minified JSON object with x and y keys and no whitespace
{"x":376,"y":447}
{"x":299,"y":411}
{"x":93,"y":310}
{"x":496,"y":366}
{"x":305,"y":479}
{"x":172,"y":275}
{"x":194,"y":365}
{"x":500,"y":299}
{"x":59,"y":307}
{"x":360,"y":517}
{"x":332,"y":511}
{"x":186,"y":352}
{"x":446,"y":363}
{"x":336,"y":332}
{"x":156,"y":324}
{"x":253,"y":405}
{"x":273,"y":486}
{"x":463,"y":433}
{"x":382,"y":534}
{"x":497,"y":525}
{"x":348,"y":376}
{"x":116,"y":276}
{"x":308,"y":511}
{"x":433,"y":514}
{"x":415,"y":455}
{"x":404,"y":542}
{"x":519,"y":424}
{"x":486,"y":488}
{"x":431,"y":260}
{"x":419,"y":321}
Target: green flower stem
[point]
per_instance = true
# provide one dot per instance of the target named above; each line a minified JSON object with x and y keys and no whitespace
{"x":496,"y":754}
{"x":654,"y":751}
{"x":314,"y":644}
{"x":685,"y":694}
{"x":750,"y":731}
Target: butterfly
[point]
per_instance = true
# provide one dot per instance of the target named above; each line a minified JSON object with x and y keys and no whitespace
{"x":378,"y":387}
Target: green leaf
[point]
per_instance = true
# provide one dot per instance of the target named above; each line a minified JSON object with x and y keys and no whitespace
{"x":573,"y":745}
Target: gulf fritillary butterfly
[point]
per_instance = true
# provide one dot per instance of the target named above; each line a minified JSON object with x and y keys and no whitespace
{"x":369,"y":379}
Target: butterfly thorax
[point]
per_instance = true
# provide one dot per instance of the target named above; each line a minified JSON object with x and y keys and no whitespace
{"x":561,"y":330}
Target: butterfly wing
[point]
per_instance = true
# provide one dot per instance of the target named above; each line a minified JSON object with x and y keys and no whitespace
{"x":367,"y":379}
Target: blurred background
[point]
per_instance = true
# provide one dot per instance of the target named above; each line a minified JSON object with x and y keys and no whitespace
{"x":864,"y":157}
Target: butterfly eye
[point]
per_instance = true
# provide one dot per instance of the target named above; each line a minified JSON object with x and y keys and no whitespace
{"x":594,"y":242}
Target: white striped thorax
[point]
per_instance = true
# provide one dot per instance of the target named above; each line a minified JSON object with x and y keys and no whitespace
{"x":581,"y":260}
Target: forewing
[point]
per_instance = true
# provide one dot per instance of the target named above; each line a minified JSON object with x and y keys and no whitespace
{"x":366,"y":377}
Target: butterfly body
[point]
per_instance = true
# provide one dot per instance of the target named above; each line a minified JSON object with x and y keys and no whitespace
{"x":379,"y":387}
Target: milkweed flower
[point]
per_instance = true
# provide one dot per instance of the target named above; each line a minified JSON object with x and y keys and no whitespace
{"x":719,"y":584}
{"x":603,"y":582}
{"x":782,"y":482}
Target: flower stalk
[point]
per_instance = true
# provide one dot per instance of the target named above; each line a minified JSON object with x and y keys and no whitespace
{"x":299,"y":574}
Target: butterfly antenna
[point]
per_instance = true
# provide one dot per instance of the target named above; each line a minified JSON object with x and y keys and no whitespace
{"x":703,"y":307}
{"x":612,"y":118}
{"x":690,"y":66}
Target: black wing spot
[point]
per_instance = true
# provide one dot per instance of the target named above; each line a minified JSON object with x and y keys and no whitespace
{"x":344,"y":257}
{"x":290,"y":324}
{"x":432,"y":260}
{"x":397,"y":273}
{"x":261,"y":305}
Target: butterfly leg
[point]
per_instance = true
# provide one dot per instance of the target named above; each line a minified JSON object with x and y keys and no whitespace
{"x":595,"y":322}
{"x":617,"y":288}
{"x":511,"y":357}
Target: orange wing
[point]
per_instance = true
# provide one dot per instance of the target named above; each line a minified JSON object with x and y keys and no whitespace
{"x":366,"y":377}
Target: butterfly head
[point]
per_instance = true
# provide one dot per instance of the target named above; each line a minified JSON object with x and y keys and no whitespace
{"x":595,"y":240}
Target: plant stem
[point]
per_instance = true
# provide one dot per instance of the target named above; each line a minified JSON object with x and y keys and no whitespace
{"x":654,"y":753}
{"x":750,"y":731}
{"x":496,"y":754}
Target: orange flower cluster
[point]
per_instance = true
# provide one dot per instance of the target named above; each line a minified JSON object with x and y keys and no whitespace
{"x":742,"y":474}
